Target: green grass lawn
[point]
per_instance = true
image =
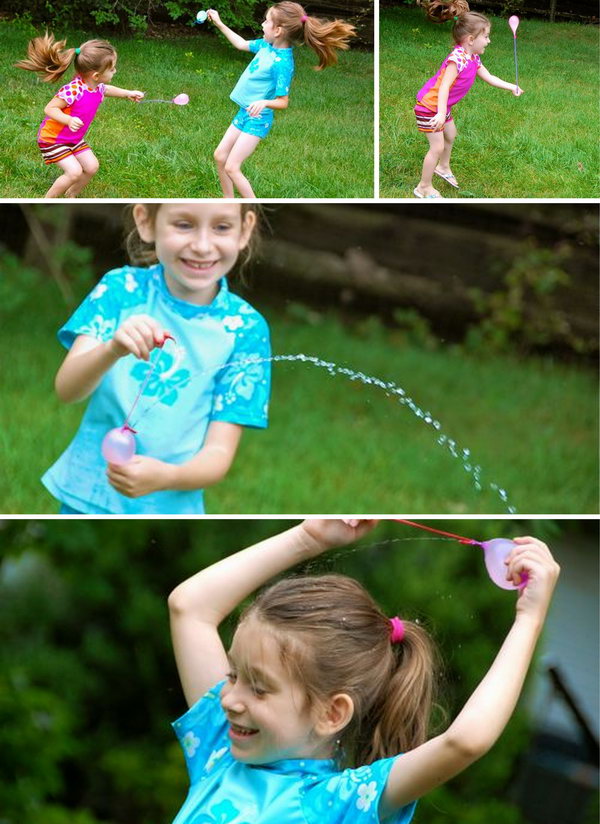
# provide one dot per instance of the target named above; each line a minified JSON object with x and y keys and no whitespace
{"x":336,"y":446}
{"x":322,"y":146}
{"x":543,"y":144}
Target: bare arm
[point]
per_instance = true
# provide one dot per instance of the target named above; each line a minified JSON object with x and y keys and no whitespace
{"x":484,"y":74}
{"x":485,"y":715}
{"x":199,"y":605}
{"x":115,"y":91}
{"x":83,"y":368}
{"x":89,"y":358}
{"x":236,"y":40}
{"x":54,"y":111}
{"x":448,"y":79}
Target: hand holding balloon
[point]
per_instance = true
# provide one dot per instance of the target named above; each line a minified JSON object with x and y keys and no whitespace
{"x":138,"y":336}
{"x":140,"y":476}
{"x":531,"y":559}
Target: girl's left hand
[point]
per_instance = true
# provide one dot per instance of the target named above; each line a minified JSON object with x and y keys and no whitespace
{"x":136,"y":96}
{"x":517,"y":91}
{"x":254,"y":109}
{"x":139,"y":476}
{"x":532,"y":558}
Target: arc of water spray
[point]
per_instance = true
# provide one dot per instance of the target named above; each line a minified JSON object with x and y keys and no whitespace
{"x":389,"y":387}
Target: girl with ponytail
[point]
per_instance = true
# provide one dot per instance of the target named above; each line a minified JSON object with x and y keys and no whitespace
{"x":72,"y":109}
{"x":319,"y":712}
{"x":265,"y":84}
{"x":454,"y":78}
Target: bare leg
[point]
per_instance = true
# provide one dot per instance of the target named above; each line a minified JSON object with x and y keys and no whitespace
{"x":449,"y":137}
{"x":221,"y":154}
{"x":89,"y":165}
{"x":243,"y":148}
{"x":436,"y":147}
{"x":71,"y":172}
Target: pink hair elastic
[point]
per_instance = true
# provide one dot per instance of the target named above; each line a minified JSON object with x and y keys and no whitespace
{"x":397,"y":635}
{"x":304,"y":18}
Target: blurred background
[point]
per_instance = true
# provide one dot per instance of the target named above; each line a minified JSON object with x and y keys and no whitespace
{"x":88,"y":684}
{"x":486,"y":315}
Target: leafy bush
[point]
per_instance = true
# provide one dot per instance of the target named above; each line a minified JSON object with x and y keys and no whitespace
{"x":124,"y":15}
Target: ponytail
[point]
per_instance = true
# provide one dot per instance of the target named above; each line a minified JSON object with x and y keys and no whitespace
{"x":50,"y":59}
{"x":400,"y":720}
{"x":325,"y":37}
{"x":439,"y":11}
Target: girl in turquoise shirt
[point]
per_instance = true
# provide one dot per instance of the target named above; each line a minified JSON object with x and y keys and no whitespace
{"x":264,"y":86}
{"x":321,"y":693}
{"x":197,"y":395}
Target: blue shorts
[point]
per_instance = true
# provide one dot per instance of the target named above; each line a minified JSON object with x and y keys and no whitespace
{"x":258,"y":126}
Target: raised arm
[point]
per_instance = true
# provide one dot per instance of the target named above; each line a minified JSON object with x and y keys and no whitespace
{"x":199,"y":605}
{"x":236,"y":40}
{"x":485,"y":715}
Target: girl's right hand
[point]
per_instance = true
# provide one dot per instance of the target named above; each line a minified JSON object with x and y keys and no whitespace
{"x":138,"y":336}
{"x":75,"y":124}
{"x":213,"y":16}
{"x":531,"y":557}
{"x":326,"y":533}
{"x":517,"y":91}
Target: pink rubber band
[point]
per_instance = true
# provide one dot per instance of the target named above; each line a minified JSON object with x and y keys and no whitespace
{"x":397,"y":634}
{"x":304,"y":18}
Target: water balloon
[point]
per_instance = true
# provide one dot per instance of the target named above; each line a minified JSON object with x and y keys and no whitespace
{"x":181,"y":100}
{"x":495,"y":553}
{"x":513,"y":22}
{"x":201,"y":17}
{"x":118,"y":445}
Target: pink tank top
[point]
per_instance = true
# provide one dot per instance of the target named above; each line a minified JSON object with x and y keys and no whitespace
{"x":82,"y":102}
{"x":467,"y":64}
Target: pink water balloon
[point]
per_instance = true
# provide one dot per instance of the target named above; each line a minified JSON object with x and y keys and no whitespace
{"x":495,"y":553}
{"x":118,"y":445}
{"x":181,"y":99}
{"x":513,"y":22}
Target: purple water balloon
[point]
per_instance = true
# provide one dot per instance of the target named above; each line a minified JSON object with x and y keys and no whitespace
{"x":495,"y":552}
{"x":118,"y":445}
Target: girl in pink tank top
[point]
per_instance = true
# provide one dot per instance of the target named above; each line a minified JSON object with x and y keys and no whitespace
{"x":456,"y":75}
{"x":71,"y":111}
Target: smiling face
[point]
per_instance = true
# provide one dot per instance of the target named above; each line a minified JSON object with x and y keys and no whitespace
{"x":268,"y":711}
{"x":197,"y":244}
{"x":478,"y":44}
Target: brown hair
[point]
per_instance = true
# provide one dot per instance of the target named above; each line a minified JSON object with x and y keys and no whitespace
{"x":325,"y":37}
{"x":49,"y":57}
{"x":333,"y":638}
{"x":465,"y":22}
{"x":144,"y":254}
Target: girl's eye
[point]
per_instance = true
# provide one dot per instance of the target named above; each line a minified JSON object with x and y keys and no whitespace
{"x":183,"y":225}
{"x":259,"y":692}
{"x":231,"y":677}
{"x":223,"y":227}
